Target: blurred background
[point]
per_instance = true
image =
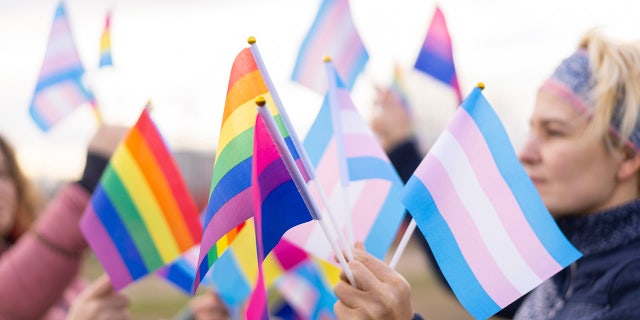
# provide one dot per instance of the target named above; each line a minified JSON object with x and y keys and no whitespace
{"x":178,"y":55}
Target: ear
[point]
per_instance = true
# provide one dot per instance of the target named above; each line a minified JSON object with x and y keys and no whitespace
{"x":629,"y":165}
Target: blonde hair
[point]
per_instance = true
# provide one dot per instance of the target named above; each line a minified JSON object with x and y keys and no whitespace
{"x":616,"y":84}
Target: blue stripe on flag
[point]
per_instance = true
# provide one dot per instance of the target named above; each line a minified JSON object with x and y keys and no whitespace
{"x":118,"y":233}
{"x":230,"y":283}
{"x":320,"y":134}
{"x":446,"y":250}
{"x":517,"y":179}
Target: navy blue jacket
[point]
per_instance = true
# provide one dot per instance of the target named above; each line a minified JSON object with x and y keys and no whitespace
{"x":605,"y":282}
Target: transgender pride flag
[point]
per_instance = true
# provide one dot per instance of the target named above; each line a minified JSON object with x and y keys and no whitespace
{"x":59,"y":89}
{"x":373,"y":184}
{"x":490,"y":232}
{"x":331,"y":34}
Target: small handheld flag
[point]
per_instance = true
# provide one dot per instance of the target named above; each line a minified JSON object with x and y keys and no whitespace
{"x":490,"y":232}
{"x":60,"y":88}
{"x":141,"y":216}
{"x":331,"y":34}
{"x":436,"y":54}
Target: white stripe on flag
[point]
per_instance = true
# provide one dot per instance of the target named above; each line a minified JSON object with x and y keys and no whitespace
{"x":473,"y":197}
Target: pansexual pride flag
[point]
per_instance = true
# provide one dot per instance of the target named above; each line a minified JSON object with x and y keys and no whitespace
{"x":490,"y":232}
{"x":59,"y":89}
{"x":105,"y":43}
{"x":374,"y":185}
{"x":436,"y":55}
{"x":278,"y":207}
{"x":331,"y":34}
{"x":141,"y":215}
{"x":230,"y":201}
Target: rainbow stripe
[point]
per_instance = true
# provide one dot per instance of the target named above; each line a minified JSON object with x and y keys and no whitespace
{"x":141,"y":216}
{"x":490,"y":232}
{"x":105,"y":43}
{"x":399,"y":88}
{"x":59,"y":89}
{"x":231,"y":193}
{"x":436,"y":54}
{"x":332,"y":34}
{"x":350,"y":150}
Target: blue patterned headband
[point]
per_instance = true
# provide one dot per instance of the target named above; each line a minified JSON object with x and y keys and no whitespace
{"x":572,"y":82}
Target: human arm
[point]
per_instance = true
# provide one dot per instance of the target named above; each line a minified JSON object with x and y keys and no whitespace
{"x":40,"y":266}
{"x":382,"y":292}
{"x":99,"y":301}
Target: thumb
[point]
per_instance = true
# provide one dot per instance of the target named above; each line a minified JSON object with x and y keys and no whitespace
{"x":99,"y":288}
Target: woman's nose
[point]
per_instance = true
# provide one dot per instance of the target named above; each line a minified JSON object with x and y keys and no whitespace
{"x":530,"y":151}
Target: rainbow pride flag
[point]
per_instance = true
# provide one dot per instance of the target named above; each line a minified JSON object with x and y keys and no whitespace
{"x":60,"y":88}
{"x":436,"y":54}
{"x":341,"y":146}
{"x":230,"y":201}
{"x":490,"y":232}
{"x":141,"y":215}
{"x":399,"y":88}
{"x":331,"y":34}
{"x":105,"y":43}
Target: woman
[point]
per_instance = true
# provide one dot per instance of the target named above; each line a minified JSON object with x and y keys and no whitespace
{"x":583,"y":157}
{"x":40,"y":259}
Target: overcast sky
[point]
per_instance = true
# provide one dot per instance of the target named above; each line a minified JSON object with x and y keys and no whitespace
{"x":178,"y":54}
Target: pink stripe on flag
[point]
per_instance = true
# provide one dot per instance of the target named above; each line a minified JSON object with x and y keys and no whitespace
{"x":468,"y":135}
{"x":118,"y":272}
{"x":289,"y":255}
{"x":329,"y":163}
{"x":463,"y":228}
{"x":372,"y":197}
{"x":322,"y":37}
{"x":441,"y":44}
{"x":54,"y":102}
{"x":348,"y":55}
{"x":361,"y":145}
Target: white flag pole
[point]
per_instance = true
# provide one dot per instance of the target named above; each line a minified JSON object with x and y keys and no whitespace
{"x":403,"y":244}
{"x":278,"y":140}
{"x":299,"y":147}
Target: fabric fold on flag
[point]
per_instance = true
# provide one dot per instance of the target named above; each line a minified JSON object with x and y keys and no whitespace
{"x":489,"y":230}
{"x":436,"y":54}
{"x":141,"y":215}
{"x":230,"y":201}
{"x":374,"y":185}
{"x":332,"y":34}
{"x":60,"y":88}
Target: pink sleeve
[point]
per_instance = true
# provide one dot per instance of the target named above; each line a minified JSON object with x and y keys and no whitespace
{"x":33,"y":273}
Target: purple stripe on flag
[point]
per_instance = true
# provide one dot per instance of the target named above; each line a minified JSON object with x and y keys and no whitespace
{"x":271,"y":177}
{"x":465,"y":231}
{"x":99,"y":242}
{"x":468,"y":135}
{"x":218,"y":227}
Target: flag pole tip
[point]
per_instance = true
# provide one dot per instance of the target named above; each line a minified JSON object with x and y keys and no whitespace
{"x":480,"y":85}
{"x":251,"y":40}
{"x":326,"y":59}
{"x":260,"y":101}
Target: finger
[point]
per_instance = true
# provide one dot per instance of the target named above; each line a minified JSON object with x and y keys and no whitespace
{"x":347,"y":294}
{"x":99,"y":287}
{"x":343,"y":311}
{"x":376,"y":266}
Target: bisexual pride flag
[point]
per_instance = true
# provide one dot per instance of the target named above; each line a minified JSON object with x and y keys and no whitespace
{"x":490,"y":232}
{"x":436,"y":54}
